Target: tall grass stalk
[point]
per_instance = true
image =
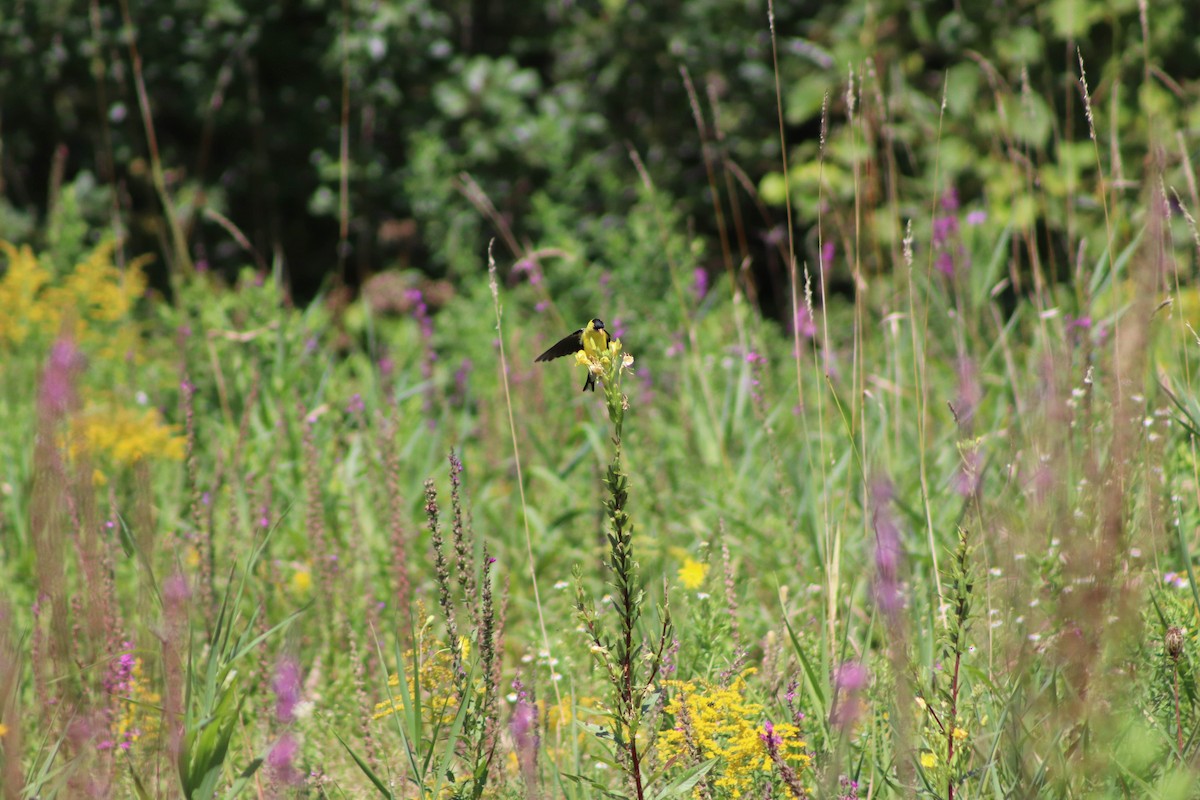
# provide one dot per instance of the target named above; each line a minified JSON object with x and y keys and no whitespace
{"x":512,"y":429}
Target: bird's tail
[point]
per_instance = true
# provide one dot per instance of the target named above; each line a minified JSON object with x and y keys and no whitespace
{"x":590,"y":383}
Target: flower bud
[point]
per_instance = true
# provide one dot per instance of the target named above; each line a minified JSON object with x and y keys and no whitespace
{"x":1174,"y":642}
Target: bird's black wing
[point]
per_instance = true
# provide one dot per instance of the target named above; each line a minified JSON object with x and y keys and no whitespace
{"x":572,"y":343}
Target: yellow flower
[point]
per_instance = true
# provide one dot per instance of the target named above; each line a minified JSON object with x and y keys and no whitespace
{"x":960,"y":734}
{"x":693,"y":573}
{"x":19,"y":289}
{"x":301,"y":582}
{"x":928,"y":759}
{"x":727,"y":726}
{"x":3,"y":730}
{"x":434,"y":680}
{"x":126,"y":435}
{"x":96,"y":297}
{"x":138,"y":719}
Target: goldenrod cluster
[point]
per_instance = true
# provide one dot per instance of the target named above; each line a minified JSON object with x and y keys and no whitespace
{"x":125,"y":436}
{"x":435,"y":679}
{"x":722,"y":723}
{"x":138,"y":718}
{"x":93,"y":300}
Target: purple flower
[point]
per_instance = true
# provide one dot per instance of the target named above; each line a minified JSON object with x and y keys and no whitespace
{"x":977,"y":217}
{"x":524,"y":728}
{"x":286,"y":685}
{"x":1175,"y":579}
{"x":356,"y":405}
{"x":58,"y":380}
{"x":944,"y":228}
{"x":945,"y":263}
{"x":699,"y":283}
{"x":804,"y":322}
{"x":851,"y":677}
{"x":970,"y":393}
{"x":282,"y":760}
{"x":828,"y":251}
{"x":529,"y":267}
{"x":888,"y":548}
{"x":770,"y":738}
{"x":175,"y":589}
{"x":461,"y":377}
{"x":1084,"y":322}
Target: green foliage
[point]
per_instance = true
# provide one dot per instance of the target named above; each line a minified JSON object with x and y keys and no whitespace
{"x":992,"y":331}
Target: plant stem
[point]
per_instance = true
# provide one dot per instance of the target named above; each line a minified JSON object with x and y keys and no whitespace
{"x":950,"y":728}
{"x":1178,"y":716}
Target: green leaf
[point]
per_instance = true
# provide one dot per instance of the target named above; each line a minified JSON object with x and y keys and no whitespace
{"x":366,"y":770}
{"x":683,"y":785}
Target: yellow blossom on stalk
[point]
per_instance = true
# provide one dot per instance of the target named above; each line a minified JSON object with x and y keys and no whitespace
{"x":928,"y":759}
{"x":721,"y":723}
{"x":693,"y":573}
{"x":960,"y":735}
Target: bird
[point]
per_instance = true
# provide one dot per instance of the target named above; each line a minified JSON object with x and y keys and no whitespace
{"x":591,"y":339}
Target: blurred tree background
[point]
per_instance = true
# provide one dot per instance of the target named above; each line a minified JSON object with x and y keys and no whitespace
{"x":341,"y":139}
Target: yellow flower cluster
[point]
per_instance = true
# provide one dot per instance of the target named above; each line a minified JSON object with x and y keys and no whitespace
{"x":125,"y":436}
{"x":94,"y":299}
{"x":435,"y":677}
{"x":727,"y":726}
{"x":138,"y":719}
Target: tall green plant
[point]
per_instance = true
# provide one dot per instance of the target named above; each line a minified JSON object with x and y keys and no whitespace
{"x":630,"y":664}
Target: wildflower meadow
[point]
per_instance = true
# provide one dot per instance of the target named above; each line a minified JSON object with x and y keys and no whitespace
{"x":889,"y":486}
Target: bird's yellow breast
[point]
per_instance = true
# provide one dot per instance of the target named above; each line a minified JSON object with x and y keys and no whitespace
{"x":594,"y":342}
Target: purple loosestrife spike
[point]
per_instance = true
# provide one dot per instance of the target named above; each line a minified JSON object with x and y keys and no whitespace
{"x":888,"y":549}
{"x":828,"y":251}
{"x":57,"y":393}
{"x":700,"y":283}
{"x":286,"y":685}
{"x":945,"y":263}
{"x":970,"y":393}
{"x":769,"y":736}
{"x":282,"y":759}
{"x":850,"y":679}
